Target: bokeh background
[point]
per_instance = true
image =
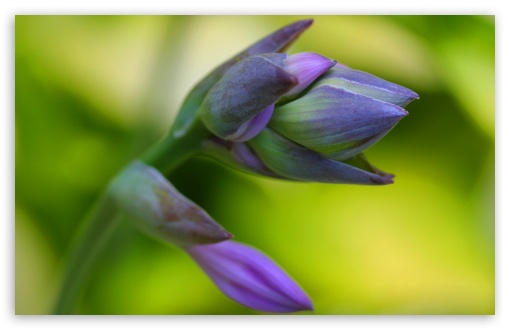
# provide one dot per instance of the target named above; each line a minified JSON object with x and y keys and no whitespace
{"x":93,"y":92}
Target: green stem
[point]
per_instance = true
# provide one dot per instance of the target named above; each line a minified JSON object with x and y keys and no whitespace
{"x":175,"y":149}
{"x":98,"y":228}
{"x":166,"y":155}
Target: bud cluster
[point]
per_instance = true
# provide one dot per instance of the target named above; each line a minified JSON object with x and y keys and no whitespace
{"x":301,"y":117}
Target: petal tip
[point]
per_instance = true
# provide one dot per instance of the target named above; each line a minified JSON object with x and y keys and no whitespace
{"x":305,"y":23}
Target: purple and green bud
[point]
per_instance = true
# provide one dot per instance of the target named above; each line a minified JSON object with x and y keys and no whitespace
{"x":345,"y":112}
{"x":276,"y":42}
{"x":250,"y":278}
{"x":149,"y":199}
{"x":335,"y":122}
{"x":240,"y":104}
{"x":291,"y":160}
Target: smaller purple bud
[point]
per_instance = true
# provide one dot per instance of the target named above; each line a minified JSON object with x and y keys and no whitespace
{"x":307,"y":67}
{"x":155,"y":206}
{"x":250,"y":278}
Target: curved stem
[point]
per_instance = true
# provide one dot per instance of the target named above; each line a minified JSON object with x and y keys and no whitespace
{"x":176,"y":148}
{"x":166,"y":155}
{"x":98,"y":228}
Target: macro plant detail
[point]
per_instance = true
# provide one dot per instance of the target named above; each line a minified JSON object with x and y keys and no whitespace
{"x":300,"y":117}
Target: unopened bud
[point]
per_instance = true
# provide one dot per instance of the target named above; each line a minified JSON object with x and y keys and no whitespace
{"x":335,"y":122}
{"x":251,"y":278}
{"x":249,"y":88}
{"x":149,"y":199}
{"x":288,"y":159}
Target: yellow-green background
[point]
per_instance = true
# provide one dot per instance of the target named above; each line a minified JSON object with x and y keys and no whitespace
{"x":92,"y":92}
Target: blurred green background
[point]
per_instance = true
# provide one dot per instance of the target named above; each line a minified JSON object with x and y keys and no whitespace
{"x":93,"y":92}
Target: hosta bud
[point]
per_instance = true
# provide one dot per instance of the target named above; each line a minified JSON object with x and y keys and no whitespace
{"x":249,"y":277}
{"x":276,"y":42}
{"x":290,"y":160}
{"x":301,"y":117}
{"x":239,"y":105}
{"x":335,"y":122}
{"x":147,"y":198}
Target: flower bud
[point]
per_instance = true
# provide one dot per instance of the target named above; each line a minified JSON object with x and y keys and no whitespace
{"x":293,"y":161}
{"x":148,"y":199}
{"x":239,"y":105}
{"x":301,"y":117}
{"x":335,"y":122}
{"x":250,"y":278}
{"x":276,"y":42}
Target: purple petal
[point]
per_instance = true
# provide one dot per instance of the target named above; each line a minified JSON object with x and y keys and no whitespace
{"x":369,"y":85}
{"x":244,"y":155}
{"x":253,"y":126}
{"x":249,"y":277}
{"x":307,"y":67}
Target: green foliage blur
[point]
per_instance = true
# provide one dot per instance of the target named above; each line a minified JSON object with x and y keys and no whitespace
{"x":93,"y":92}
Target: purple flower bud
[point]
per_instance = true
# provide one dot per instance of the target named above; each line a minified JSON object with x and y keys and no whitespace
{"x":276,"y":42}
{"x":249,"y":277}
{"x":303,"y":117}
{"x":307,"y":67}
{"x":232,"y":107}
{"x":335,"y":122}
{"x":144,"y":195}
{"x":296,"y":162}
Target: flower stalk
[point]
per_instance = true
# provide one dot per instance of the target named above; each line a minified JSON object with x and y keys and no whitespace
{"x":98,"y":227}
{"x":185,"y":139}
{"x":300,"y":117}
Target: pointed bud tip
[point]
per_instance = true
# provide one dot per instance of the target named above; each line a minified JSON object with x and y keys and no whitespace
{"x":413,"y":95}
{"x":303,"y":24}
{"x":250,"y":277}
{"x":382,"y":180}
{"x":409,"y":95}
{"x":305,"y":306}
{"x":397,"y":113}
